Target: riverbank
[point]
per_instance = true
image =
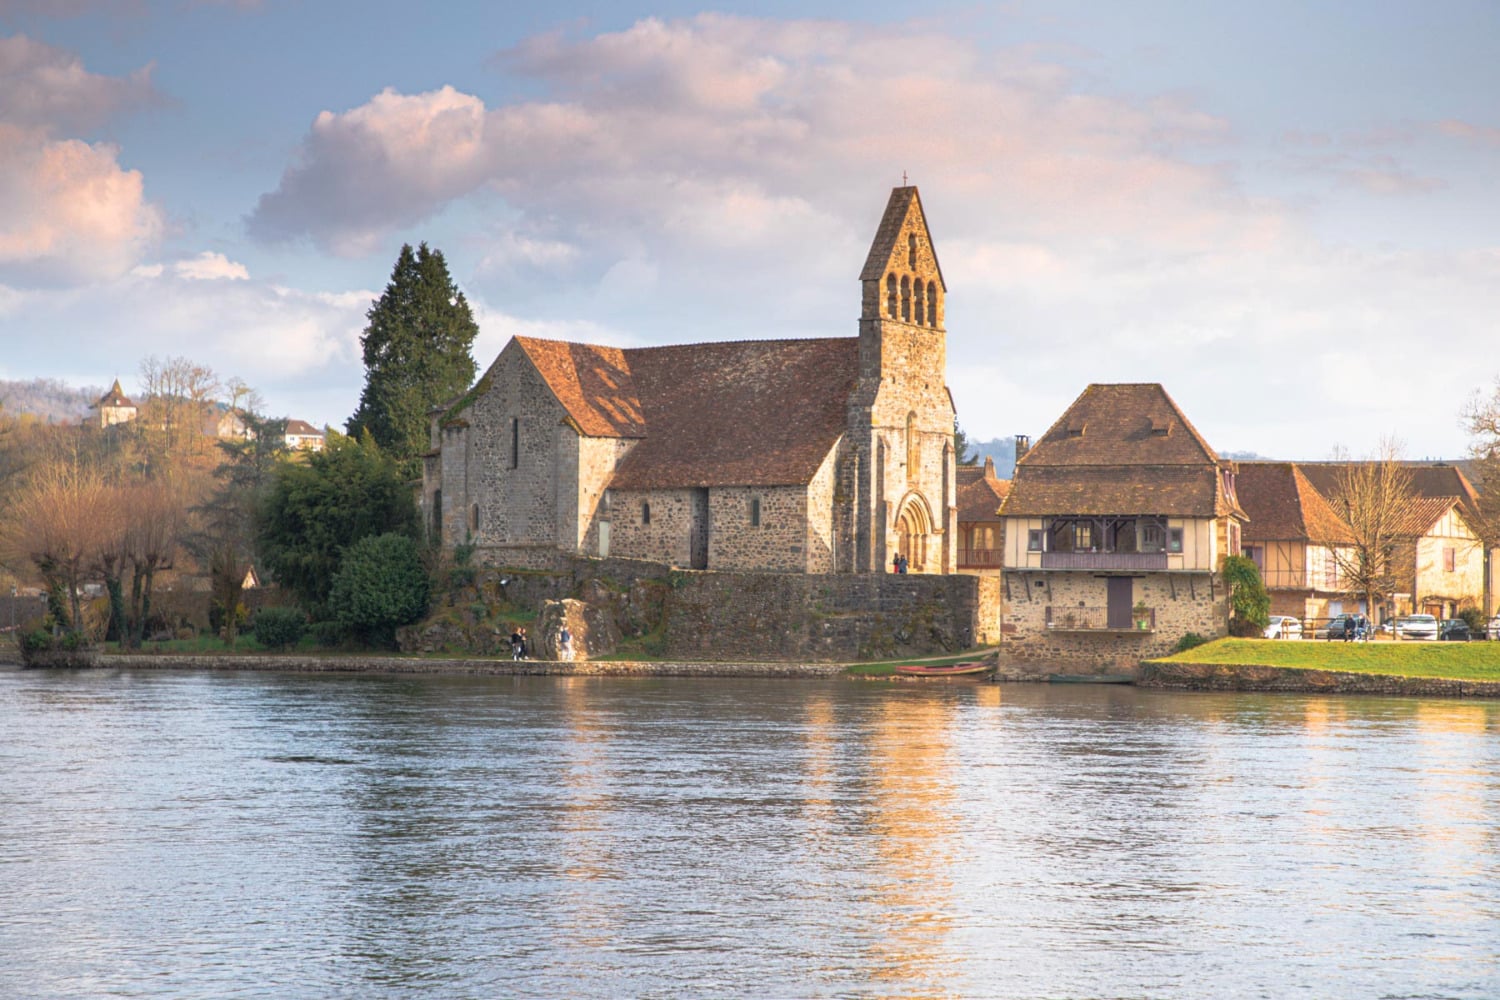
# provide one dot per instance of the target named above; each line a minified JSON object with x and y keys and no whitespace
{"x":1450,"y":670}
{"x":386,"y":664}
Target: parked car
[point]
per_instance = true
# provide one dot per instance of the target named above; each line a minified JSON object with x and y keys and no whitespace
{"x":1284,"y":627}
{"x":1417,"y":627}
{"x":1453,"y":630}
{"x":1493,"y":631}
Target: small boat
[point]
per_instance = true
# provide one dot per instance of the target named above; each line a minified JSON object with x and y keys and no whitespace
{"x":1091,"y":678}
{"x":945,"y":670}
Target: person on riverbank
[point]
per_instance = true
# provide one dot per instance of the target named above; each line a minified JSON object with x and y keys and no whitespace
{"x":564,"y":644}
{"x":525,"y":645}
{"x":517,"y":644}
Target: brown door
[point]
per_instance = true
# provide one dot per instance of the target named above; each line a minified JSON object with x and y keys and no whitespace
{"x":1121,"y":589}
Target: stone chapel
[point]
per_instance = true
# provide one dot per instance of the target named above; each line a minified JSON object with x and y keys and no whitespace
{"x":826,"y":455}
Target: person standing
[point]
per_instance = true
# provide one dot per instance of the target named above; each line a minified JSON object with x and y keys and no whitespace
{"x":564,"y":643}
{"x":515,"y":643}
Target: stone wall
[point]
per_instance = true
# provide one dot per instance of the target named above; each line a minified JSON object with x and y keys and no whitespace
{"x":688,"y":615}
{"x":1183,"y":603}
{"x":1247,"y":677}
{"x":822,"y":618}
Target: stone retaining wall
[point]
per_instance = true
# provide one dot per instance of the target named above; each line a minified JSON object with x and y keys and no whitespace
{"x":1250,"y":677}
{"x":400,"y":665}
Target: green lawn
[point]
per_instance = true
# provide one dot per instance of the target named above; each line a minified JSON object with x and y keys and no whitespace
{"x":1469,"y":661}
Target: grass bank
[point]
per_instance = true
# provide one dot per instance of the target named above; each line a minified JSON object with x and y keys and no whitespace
{"x":1466,"y":661}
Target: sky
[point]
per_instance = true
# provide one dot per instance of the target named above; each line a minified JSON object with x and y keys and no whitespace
{"x":1286,"y":213}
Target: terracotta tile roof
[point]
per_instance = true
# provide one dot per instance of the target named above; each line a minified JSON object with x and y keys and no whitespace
{"x":593,"y":383}
{"x":1283,"y":505}
{"x":302,"y":428}
{"x":979,"y":492}
{"x":1121,"y":424}
{"x":1429,"y":481}
{"x":746,"y":413}
{"x":902,"y":202}
{"x":1120,"y":449}
{"x":1168,"y":490}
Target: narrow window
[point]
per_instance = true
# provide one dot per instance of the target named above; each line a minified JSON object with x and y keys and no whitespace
{"x":1450,"y":560}
{"x":920,"y":305}
{"x":755,"y":512}
{"x":932,"y":300}
{"x":906,"y":299}
{"x":911,"y":250}
{"x":1174,"y":539}
{"x":1034,"y":540}
{"x":913,"y":448}
{"x":1083,"y":536}
{"x":645,"y":512}
{"x":1234,"y":539}
{"x":474,"y":518}
{"x":515,"y":442}
{"x":890,"y":295}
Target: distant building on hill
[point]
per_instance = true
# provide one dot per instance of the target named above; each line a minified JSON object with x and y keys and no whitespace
{"x":114,"y":407}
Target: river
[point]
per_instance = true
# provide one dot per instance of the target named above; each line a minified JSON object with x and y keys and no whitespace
{"x":168,"y":834}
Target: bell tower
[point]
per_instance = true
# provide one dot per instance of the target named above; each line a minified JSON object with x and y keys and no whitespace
{"x":900,"y":423}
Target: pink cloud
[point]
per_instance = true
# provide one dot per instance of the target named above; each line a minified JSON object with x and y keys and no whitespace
{"x":47,"y":87}
{"x":1485,"y":135}
{"x":697,"y":115}
{"x":68,"y":211}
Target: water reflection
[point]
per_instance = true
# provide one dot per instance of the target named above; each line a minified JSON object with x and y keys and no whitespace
{"x":221,"y":835}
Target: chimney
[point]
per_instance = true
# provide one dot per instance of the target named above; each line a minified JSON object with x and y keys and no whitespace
{"x":1023,"y":445}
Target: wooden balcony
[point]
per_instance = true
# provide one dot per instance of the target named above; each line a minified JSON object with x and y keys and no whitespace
{"x":980,"y":558}
{"x":1096,"y":619}
{"x":1105,"y":560}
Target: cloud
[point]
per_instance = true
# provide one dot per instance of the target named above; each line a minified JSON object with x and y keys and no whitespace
{"x":48,"y":88}
{"x":210,"y":266}
{"x":388,"y":163}
{"x":721,"y":177}
{"x":68,"y":212}
{"x":1485,"y":135}
{"x":704,"y":117}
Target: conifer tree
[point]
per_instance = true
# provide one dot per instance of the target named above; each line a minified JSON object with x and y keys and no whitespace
{"x":416,"y":353}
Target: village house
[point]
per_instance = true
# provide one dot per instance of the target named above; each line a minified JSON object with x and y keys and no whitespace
{"x":302,"y":436}
{"x":1440,"y":564}
{"x":980,"y":493}
{"x":1115,"y":528}
{"x":115,"y":407}
{"x":797,"y":456}
{"x":1292,"y":536}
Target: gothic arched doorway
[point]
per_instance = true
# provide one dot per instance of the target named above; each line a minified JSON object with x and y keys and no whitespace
{"x":913,"y":528}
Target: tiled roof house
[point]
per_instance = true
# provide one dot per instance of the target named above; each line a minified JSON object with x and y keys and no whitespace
{"x":1440,"y":563}
{"x":1116,"y":524}
{"x":813,"y":456}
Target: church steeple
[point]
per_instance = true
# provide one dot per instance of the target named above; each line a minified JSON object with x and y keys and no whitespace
{"x":902,"y":281}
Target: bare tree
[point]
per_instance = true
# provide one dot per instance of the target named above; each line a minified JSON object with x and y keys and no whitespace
{"x":1374,"y":498}
{"x":153,"y":533}
{"x":61,"y":520}
{"x":177,"y":400}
